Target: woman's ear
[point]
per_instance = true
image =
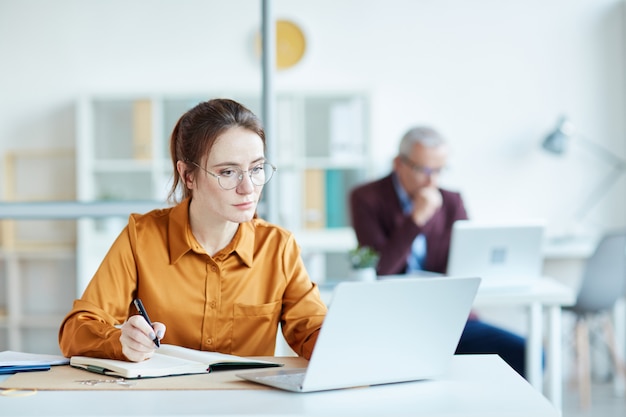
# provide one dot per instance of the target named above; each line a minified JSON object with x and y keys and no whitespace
{"x":185,"y":173}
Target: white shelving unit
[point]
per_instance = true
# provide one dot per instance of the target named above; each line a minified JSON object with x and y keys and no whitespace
{"x":122,"y":165}
{"x":38,"y":281}
{"x":37,"y":257}
{"x":36,"y":300}
{"x":322,"y":150}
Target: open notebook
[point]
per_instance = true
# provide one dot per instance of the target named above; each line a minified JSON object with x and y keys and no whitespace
{"x":382,"y":332}
{"x":168,"y":360}
{"x":505,"y":255}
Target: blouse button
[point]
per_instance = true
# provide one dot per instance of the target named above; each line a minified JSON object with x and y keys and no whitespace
{"x":209,"y":341}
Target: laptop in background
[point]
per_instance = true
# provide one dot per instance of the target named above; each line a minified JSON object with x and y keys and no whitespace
{"x":382,"y":332}
{"x":505,"y":255}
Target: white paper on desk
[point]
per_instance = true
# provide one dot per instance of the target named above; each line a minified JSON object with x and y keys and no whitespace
{"x":12,"y":358}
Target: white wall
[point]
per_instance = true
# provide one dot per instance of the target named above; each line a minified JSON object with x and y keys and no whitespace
{"x":492,"y":75}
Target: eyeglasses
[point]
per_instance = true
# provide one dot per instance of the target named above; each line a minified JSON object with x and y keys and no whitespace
{"x":230,"y":178}
{"x":427,"y":171}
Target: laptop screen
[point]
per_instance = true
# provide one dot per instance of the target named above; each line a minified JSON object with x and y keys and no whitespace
{"x":493,"y":251}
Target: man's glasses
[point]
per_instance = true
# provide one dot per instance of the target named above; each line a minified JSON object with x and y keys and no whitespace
{"x":426,"y":171}
{"x":229,"y":178}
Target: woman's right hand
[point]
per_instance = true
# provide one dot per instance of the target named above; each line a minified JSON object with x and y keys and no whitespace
{"x":137,"y":338}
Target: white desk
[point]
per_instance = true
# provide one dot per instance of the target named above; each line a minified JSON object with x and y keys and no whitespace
{"x":570,"y":247}
{"x":476,"y":385}
{"x":545,"y":295}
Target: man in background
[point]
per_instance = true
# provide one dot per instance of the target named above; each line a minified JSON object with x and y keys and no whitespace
{"x":408,"y":220}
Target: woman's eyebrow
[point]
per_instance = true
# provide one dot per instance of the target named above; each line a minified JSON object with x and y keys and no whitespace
{"x":227,"y":164}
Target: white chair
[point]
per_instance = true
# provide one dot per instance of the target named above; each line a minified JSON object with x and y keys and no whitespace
{"x":603,"y":284}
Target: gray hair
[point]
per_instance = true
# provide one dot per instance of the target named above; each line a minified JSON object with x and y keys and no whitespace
{"x":424,"y":135}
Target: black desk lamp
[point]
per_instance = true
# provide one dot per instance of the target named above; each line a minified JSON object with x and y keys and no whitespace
{"x":556,"y":143}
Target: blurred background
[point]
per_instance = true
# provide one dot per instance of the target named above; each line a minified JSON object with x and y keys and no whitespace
{"x":493,"y":76}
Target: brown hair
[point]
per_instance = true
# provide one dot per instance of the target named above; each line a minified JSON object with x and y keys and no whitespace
{"x":198,"y":129}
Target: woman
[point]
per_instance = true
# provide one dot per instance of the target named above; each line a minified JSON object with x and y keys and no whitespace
{"x":211,"y":275}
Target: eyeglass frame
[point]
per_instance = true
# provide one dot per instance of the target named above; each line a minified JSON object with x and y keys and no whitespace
{"x":241,"y":173}
{"x":419,"y":169}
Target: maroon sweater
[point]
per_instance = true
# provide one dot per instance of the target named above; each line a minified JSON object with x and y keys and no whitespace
{"x":378,"y":222}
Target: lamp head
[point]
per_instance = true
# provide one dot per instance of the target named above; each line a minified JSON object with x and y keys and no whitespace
{"x":556,"y":142}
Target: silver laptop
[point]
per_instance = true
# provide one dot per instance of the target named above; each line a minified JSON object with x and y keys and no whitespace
{"x":382,"y":332}
{"x":503,"y":255}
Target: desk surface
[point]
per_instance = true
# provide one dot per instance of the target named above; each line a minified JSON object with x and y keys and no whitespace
{"x":476,"y":385}
{"x":569,"y":247}
{"x":544,"y":290}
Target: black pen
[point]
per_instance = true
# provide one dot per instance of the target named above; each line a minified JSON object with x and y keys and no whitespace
{"x":144,"y":314}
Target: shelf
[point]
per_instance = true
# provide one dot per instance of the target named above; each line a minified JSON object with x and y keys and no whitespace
{"x":57,"y":210}
{"x":122,"y":165}
{"x":40,"y":252}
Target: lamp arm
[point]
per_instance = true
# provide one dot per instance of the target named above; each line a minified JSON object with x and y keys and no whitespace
{"x":602,"y":188}
{"x":603,"y":152}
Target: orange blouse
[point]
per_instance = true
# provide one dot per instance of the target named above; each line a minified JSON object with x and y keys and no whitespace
{"x":230,"y":303}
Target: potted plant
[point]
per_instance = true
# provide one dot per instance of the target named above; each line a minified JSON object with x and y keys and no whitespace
{"x":363,"y":260}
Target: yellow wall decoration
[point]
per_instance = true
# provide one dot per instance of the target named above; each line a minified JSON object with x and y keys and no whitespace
{"x":290,"y":44}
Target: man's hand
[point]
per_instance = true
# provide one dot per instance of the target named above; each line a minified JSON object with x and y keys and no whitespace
{"x":426,"y":202}
{"x":137,"y":338}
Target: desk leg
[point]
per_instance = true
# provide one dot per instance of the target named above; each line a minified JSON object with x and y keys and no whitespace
{"x":554,"y":357}
{"x":534,"y":348}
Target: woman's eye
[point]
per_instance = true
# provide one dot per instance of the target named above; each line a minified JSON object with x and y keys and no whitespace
{"x":257,"y":169}
{"x":228,"y":172}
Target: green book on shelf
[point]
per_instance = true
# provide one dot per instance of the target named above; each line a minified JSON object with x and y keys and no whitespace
{"x":335,"y":199}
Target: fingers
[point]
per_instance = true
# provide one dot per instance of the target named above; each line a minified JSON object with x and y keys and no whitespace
{"x":159,"y":329}
{"x":425,"y":204}
{"x":430,"y":196}
{"x":137,"y":338}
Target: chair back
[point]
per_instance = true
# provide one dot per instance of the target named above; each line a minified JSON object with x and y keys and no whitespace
{"x":604,"y":275}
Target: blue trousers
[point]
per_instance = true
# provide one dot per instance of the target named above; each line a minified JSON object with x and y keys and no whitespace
{"x":480,"y":337}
